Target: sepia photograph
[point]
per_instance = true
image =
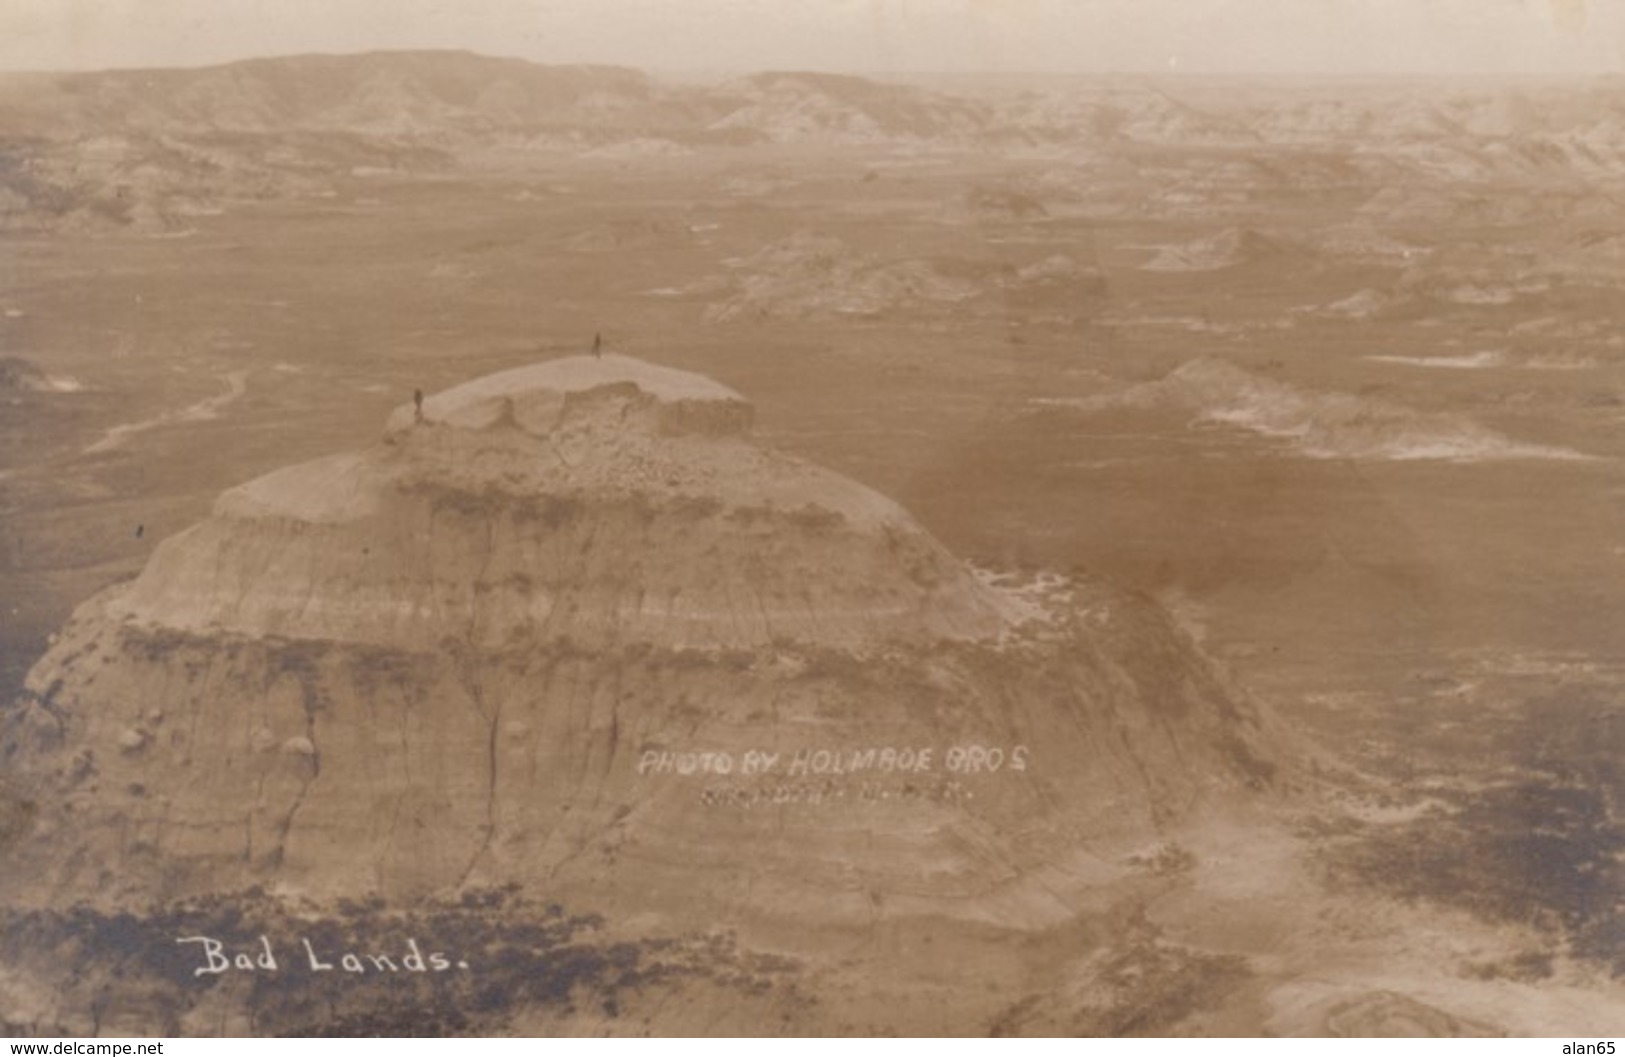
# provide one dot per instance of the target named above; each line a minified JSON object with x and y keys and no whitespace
{"x":811,"y":518}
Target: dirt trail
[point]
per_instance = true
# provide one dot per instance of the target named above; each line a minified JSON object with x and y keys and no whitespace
{"x":202,"y":411}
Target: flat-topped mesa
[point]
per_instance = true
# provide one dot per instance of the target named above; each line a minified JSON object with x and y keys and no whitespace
{"x":591,"y":500}
{"x":617,"y":392}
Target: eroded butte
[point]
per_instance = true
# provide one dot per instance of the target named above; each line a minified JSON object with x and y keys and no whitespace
{"x":567,"y":627}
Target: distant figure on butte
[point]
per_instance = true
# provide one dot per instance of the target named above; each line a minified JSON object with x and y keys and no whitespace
{"x":417,"y":404}
{"x":598,"y":345}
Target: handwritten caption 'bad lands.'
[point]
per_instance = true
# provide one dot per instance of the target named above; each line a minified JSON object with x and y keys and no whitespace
{"x":802,"y":763}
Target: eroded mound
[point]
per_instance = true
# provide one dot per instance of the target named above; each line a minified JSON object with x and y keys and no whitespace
{"x":567,"y":627}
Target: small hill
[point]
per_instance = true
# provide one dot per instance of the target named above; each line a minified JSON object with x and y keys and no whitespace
{"x":22,"y":375}
{"x":18,"y":373}
{"x":1322,"y":425}
{"x":832,"y":108}
{"x":1230,"y":248}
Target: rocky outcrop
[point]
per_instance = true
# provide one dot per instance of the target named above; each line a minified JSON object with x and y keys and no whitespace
{"x":568,"y":627}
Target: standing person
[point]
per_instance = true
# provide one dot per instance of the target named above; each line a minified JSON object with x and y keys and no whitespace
{"x":598,"y":345}
{"x":417,"y":403}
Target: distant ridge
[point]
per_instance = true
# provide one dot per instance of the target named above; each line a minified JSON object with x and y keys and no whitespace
{"x":143,"y":150}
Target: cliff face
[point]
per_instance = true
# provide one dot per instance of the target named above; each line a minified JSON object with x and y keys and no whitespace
{"x":567,"y":626}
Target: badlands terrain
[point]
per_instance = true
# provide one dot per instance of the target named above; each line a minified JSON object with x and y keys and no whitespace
{"x":1246,"y":452}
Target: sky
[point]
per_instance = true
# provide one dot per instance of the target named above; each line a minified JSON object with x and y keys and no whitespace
{"x":1054,"y":36}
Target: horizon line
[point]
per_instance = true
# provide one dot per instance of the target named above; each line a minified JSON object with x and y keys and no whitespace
{"x":1153,"y":72}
